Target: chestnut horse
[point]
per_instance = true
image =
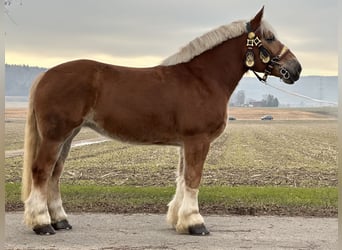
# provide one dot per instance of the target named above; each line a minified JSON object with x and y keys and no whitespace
{"x":182,"y":102}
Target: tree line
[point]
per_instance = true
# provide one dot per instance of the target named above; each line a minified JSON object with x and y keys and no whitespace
{"x":239,"y":99}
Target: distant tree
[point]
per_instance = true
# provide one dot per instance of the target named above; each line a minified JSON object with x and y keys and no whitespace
{"x":270,"y":101}
{"x":276,"y":102}
{"x":240,"y":98}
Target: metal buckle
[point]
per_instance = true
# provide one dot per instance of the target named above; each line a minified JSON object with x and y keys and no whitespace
{"x":285,"y":73}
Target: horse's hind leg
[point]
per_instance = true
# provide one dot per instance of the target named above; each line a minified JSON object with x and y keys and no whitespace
{"x":36,"y":209}
{"x":189,"y":219}
{"x":56,"y":210}
{"x":174,"y":205}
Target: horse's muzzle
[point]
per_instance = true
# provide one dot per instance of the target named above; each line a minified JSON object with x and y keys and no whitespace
{"x":290,"y":72}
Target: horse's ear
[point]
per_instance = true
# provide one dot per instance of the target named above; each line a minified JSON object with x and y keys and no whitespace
{"x":255,"y":22}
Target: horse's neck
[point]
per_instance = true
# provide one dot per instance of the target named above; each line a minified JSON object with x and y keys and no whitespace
{"x":222,"y":65}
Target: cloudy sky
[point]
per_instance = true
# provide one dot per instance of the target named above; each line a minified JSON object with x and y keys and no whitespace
{"x":143,"y":32}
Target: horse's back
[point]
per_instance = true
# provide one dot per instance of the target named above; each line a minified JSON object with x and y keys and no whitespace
{"x":74,"y":85}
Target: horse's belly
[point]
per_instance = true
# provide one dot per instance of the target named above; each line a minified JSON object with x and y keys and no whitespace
{"x":136,"y":129}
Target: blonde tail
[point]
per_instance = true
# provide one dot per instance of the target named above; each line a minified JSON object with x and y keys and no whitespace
{"x":31,"y":144}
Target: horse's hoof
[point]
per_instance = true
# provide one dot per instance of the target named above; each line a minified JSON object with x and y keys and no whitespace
{"x":199,"y":230}
{"x":44,"y":230}
{"x":63,"y":224}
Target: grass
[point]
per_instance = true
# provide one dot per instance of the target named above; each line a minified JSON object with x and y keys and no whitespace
{"x":218,"y":199}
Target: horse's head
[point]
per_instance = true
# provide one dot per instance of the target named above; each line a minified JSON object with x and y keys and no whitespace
{"x":265,"y":53}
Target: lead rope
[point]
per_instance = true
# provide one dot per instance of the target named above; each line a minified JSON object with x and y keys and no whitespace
{"x":298,"y":95}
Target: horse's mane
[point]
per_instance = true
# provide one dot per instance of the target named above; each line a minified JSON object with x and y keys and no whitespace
{"x":209,"y":40}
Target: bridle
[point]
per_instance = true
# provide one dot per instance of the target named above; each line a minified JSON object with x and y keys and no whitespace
{"x":265,"y":56}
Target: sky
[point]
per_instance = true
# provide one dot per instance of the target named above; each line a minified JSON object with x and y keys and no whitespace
{"x":142,"y":33}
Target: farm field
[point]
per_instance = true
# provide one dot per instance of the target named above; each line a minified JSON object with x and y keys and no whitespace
{"x":286,"y":152}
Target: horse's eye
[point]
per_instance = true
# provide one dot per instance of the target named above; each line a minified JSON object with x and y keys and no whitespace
{"x":270,"y":39}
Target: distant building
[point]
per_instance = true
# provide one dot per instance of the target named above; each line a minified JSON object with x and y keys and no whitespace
{"x":256,"y":104}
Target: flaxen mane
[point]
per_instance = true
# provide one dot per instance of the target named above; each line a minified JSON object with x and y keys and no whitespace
{"x":210,"y":40}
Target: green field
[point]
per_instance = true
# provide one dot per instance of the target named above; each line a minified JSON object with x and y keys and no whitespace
{"x":275,"y":158}
{"x":242,"y":200}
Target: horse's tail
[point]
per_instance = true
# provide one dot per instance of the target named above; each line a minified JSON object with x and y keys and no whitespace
{"x":31,"y":143}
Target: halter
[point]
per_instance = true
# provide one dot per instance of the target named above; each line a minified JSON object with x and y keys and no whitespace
{"x":264,"y":54}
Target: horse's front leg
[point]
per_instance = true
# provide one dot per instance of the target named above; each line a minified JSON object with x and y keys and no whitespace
{"x":189,"y":219}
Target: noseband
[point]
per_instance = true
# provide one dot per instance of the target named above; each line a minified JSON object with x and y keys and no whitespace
{"x":265,"y":56}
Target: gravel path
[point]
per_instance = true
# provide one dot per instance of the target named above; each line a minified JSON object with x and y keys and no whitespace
{"x":149,"y":231}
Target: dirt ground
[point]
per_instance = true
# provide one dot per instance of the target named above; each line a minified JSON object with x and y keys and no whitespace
{"x":242,"y":113}
{"x":15,"y":113}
